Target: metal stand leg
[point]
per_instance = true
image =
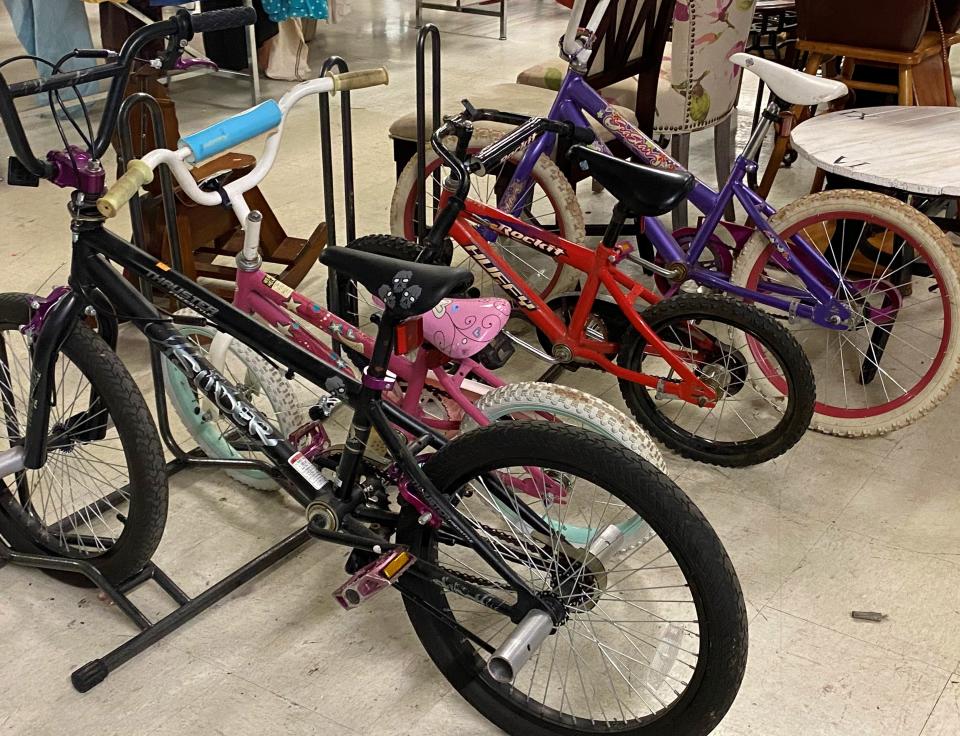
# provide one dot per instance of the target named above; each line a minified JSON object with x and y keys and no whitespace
{"x":94,"y":672}
{"x":431,"y":31}
{"x":724,"y":134}
{"x":503,"y":20}
{"x":680,"y":150}
{"x":335,"y":63}
{"x":552,"y":373}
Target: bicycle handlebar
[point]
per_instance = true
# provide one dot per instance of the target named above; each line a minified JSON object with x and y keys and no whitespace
{"x":461,"y":168}
{"x":182,"y":26}
{"x":267,"y":116}
{"x":494,"y":153}
{"x":223,"y":20}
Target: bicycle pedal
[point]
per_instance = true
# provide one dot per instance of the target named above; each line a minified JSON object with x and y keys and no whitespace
{"x":357,"y":560}
{"x":372,"y":578}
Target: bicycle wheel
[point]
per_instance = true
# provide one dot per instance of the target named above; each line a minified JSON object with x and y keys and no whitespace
{"x":654,"y":642}
{"x":258,"y":382}
{"x":561,"y":404}
{"x":101,"y":496}
{"x":721,"y":340}
{"x":881,"y":373}
{"x":550,"y":203}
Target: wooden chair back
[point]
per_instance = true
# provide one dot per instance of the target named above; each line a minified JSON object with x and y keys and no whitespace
{"x":630,"y":41}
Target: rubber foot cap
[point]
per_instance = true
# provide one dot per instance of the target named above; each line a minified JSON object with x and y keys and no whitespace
{"x":90,"y":675}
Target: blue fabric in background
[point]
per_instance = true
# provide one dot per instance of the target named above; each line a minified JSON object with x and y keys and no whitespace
{"x":280,"y":10}
{"x":49,"y":29}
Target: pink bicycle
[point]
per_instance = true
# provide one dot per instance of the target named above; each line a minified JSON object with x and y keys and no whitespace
{"x":443,"y":363}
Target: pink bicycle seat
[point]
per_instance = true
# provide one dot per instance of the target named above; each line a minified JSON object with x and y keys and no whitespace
{"x":463,"y":327}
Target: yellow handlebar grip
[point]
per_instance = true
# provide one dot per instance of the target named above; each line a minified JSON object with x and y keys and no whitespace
{"x":359,"y":79}
{"x":124,"y":188}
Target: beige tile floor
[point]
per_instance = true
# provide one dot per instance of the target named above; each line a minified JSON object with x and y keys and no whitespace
{"x":834,"y":525}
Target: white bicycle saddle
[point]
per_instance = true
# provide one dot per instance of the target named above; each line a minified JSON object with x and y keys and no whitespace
{"x":790,"y":85}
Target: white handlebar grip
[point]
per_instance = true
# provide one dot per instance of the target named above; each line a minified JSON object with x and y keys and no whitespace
{"x":359,"y":79}
{"x":124,"y":188}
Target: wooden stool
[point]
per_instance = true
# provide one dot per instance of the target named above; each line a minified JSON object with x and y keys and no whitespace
{"x":919,"y":81}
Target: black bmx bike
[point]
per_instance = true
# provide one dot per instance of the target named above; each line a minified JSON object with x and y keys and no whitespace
{"x":542,"y":633}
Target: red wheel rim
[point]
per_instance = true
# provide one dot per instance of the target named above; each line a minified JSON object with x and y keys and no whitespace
{"x":878,"y":409}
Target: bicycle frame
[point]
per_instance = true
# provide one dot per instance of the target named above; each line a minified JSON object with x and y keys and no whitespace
{"x":97,"y":287}
{"x":260,"y":294}
{"x":821,"y":280}
{"x":92,"y":274}
{"x":601,"y":272}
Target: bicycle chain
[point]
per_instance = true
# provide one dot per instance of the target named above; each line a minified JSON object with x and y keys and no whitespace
{"x":477,"y":579}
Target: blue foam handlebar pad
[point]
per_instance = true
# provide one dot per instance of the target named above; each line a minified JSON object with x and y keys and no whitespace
{"x":227,"y":133}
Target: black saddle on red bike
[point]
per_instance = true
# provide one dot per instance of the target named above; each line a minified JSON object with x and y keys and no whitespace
{"x":406,"y":288}
{"x":641,"y":190}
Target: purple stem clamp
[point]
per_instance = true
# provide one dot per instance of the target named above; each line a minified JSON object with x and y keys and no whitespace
{"x":74,"y":168}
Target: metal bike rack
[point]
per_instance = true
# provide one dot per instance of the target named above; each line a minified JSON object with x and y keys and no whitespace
{"x":431,"y":31}
{"x":95,"y":671}
{"x":337,"y":64}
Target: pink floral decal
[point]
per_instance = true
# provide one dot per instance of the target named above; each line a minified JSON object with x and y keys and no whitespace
{"x":722,"y":13}
{"x":681,"y":11}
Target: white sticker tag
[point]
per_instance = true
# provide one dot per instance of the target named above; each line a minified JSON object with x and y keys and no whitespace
{"x":278,"y":286}
{"x":307,"y":470}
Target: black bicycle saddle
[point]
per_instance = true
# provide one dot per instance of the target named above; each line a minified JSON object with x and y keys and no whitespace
{"x":642,"y":190}
{"x":406,"y":288}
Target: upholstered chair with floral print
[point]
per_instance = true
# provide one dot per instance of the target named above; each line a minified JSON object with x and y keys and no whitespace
{"x":698,"y":86}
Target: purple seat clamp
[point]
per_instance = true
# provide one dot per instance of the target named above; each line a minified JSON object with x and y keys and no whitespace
{"x":379,"y":384}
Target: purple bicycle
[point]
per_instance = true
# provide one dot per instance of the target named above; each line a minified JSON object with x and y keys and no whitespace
{"x":867,"y":283}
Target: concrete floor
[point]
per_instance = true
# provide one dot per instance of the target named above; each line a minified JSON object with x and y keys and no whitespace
{"x":834,"y":525}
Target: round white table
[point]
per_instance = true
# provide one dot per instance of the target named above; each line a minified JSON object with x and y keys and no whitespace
{"x":915,"y":149}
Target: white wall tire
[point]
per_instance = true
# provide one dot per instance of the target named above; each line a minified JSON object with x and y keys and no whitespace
{"x":830,"y":416}
{"x":570,"y":406}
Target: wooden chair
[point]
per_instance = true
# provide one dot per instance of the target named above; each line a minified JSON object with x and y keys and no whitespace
{"x":921,"y":79}
{"x":631,"y":39}
{"x":626,"y":63}
{"x":678,"y":88}
{"x":207,"y":234}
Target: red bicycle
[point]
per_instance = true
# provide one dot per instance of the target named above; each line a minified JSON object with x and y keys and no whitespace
{"x":685,"y":364}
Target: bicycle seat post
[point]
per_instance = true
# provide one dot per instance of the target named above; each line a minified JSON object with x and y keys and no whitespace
{"x":615,"y":227}
{"x":249,"y":257}
{"x":770,"y":115}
